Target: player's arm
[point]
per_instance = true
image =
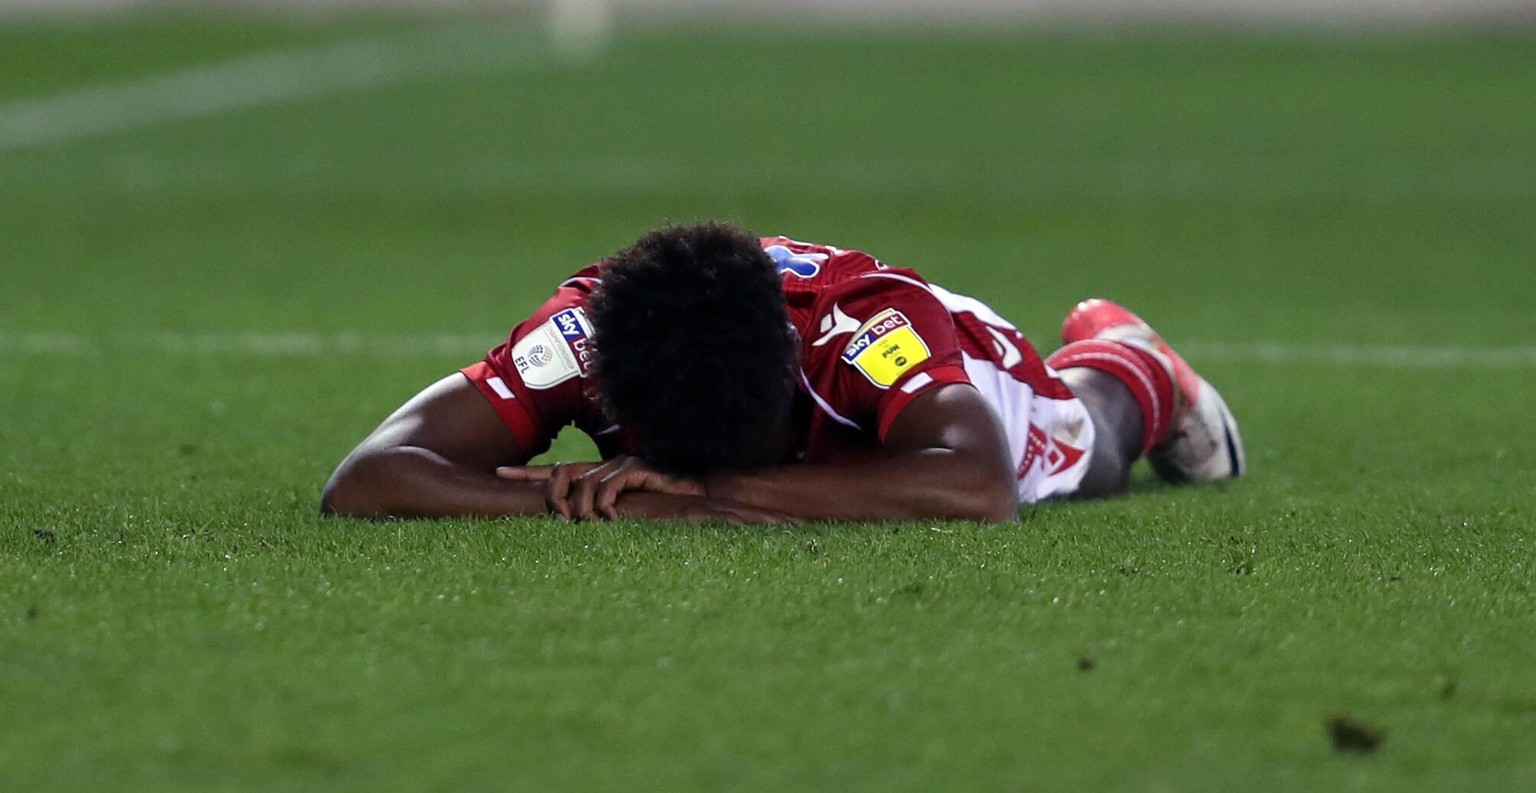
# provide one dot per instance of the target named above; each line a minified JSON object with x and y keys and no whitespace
{"x":631,"y":488}
{"x":434,"y":457}
{"x":900,"y":376}
{"x":947,"y":458}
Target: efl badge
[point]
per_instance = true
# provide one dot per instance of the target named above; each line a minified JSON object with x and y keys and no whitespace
{"x":885,"y":347}
{"x":555,"y":351}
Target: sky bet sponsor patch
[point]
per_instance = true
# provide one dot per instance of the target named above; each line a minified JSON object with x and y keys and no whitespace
{"x":555,"y":351}
{"x":885,"y":347}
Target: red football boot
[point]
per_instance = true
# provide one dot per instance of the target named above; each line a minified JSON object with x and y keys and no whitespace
{"x":1202,"y":442}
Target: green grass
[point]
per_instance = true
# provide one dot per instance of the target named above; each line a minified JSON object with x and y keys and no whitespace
{"x":173,"y":616}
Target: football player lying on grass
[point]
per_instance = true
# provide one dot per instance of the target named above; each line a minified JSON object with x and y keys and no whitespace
{"x":723,"y":376}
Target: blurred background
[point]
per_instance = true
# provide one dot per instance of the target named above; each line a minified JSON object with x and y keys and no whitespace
{"x":1218,"y":9}
{"x":235,"y":235}
{"x":363,"y":196}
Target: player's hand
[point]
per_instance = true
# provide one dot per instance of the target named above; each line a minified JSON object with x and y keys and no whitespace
{"x":556,"y":478}
{"x":594,"y":495}
{"x":591,"y":490}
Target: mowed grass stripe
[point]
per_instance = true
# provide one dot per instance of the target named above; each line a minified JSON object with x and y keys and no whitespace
{"x":487,"y":172}
{"x":266,"y":79}
{"x":178,"y":617}
{"x":298,"y":344}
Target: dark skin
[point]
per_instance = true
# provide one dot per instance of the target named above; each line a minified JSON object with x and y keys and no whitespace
{"x":446,"y":453}
{"x":1117,"y":427}
{"x":436,"y":456}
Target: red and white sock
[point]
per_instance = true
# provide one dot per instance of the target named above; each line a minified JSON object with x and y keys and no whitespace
{"x":1140,"y":371}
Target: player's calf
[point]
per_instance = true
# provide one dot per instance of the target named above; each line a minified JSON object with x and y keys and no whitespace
{"x":1188,"y":433}
{"x":1118,"y":431}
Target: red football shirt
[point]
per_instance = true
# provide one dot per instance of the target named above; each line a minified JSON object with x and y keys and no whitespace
{"x":874,"y":338}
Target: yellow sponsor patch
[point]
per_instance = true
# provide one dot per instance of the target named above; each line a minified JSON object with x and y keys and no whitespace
{"x":885,"y":347}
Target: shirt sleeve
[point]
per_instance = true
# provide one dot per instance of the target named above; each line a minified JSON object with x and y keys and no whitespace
{"x":537,"y":381}
{"x":901,"y":345}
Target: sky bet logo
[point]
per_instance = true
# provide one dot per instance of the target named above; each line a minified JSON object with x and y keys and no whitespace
{"x":885,"y":348}
{"x":573,"y":327}
{"x":571,"y":324}
{"x":882,"y":324}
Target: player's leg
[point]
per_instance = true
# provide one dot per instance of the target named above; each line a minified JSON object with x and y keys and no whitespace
{"x":1185,"y":428}
{"x":1118,"y":430}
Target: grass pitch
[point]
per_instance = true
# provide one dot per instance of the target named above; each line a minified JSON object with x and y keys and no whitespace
{"x":199,"y":317}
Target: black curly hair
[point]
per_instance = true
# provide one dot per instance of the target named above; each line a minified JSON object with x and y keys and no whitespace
{"x":694,"y":351}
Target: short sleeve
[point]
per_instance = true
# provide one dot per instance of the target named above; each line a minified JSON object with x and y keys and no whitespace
{"x":883,"y":340}
{"x":537,"y":381}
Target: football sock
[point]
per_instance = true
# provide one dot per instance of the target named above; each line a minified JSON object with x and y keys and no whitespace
{"x":1141,"y":372}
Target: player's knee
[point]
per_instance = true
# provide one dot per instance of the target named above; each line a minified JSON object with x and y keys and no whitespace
{"x":1105,"y":477}
{"x":1109,"y":469}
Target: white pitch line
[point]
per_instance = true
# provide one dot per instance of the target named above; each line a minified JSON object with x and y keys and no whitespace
{"x":310,"y":345}
{"x":294,"y":345}
{"x":1390,"y":356}
{"x":263,"y":80}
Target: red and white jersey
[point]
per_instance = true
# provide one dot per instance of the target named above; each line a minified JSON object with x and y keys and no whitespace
{"x":873,"y":338}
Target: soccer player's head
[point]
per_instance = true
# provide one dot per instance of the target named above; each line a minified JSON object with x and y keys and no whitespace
{"x":695,"y":353}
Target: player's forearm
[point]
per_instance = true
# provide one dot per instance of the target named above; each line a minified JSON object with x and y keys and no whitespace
{"x":932,"y":483}
{"x":411,"y":482}
{"x":642,"y":505}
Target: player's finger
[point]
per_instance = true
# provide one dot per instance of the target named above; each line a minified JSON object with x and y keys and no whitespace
{"x":614,"y":484}
{"x":557,"y":490}
{"x":525,"y":473}
{"x":658,"y":482}
{"x":542,"y":473}
{"x":582,"y":495}
{"x":583,"y":490}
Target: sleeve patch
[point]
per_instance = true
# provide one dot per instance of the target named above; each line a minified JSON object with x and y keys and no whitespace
{"x":500,"y":387}
{"x":555,"y":351}
{"x":917,"y":383}
{"x":885,"y":348}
